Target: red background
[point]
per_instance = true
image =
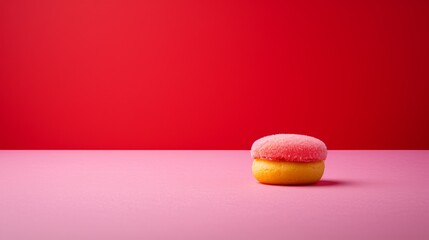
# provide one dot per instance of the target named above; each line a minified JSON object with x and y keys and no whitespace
{"x":213,"y":74}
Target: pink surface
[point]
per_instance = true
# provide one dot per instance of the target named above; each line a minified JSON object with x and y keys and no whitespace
{"x":208,"y":195}
{"x":289,"y":147}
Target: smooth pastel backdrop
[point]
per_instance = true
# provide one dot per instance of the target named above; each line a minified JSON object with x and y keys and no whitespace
{"x":136,"y":195}
{"x":212,"y":74}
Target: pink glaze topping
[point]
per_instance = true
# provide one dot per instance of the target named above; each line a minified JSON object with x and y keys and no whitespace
{"x":289,"y":147}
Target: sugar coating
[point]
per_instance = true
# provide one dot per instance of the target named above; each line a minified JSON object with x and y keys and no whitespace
{"x":289,"y":147}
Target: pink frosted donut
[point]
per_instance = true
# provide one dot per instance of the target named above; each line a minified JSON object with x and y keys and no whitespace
{"x":289,"y":147}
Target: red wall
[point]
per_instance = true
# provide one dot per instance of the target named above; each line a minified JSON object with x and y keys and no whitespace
{"x":213,"y":74}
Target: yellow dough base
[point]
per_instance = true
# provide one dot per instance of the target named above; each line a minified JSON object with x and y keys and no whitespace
{"x":287,"y":173}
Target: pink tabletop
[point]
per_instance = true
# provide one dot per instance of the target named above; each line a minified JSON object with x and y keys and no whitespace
{"x":208,"y":195}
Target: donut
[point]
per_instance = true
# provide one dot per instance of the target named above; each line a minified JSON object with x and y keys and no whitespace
{"x":288,"y":159}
